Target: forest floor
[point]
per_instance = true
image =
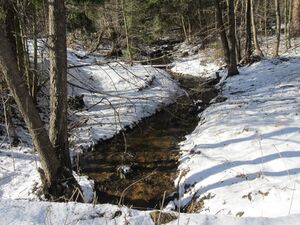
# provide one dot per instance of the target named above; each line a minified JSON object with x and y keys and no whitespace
{"x":239,"y":166}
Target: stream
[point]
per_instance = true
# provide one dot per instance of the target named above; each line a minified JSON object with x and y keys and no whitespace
{"x":140,"y":171}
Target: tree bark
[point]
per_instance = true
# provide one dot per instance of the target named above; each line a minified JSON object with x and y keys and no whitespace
{"x":10,"y":128}
{"x":237,"y":36}
{"x":254,"y":31}
{"x":266,"y":22}
{"x":232,"y":67}
{"x":58,"y":181}
{"x":278,"y":28}
{"x":290,"y":22}
{"x":286,"y":17}
{"x":58,"y":132}
{"x":296,"y":18}
{"x":128,"y":45}
{"x":35,"y":53}
{"x":222,"y":32}
{"x":19,"y":91}
{"x":248,"y":50}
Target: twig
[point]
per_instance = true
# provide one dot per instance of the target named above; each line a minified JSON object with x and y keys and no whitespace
{"x":139,"y":180}
{"x":161,"y":208}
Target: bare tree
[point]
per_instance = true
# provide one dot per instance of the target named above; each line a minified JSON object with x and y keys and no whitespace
{"x":278,"y":28}
{"x":291,"y":2}
{"x":58,"y":81}
{"x":248,"y":49}
{"x":232,"y":67}
{"x":296,"y":17}
{"x":19,"y":91}
{"x":266,"y":21}
{"x":254,"y":31}
{"x":286,"y":18}
{"x":58,"y":181}
{"x":222,"y":31}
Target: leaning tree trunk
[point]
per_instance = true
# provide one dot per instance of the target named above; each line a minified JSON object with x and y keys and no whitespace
{"x":232,"y":67}
{"x":254,"y":31}
{"x":19,"y":91}
{"x":58,"y":181}
{"x":278,"y":28}
{"x":222,"y":32}
{"x":58,"y":81}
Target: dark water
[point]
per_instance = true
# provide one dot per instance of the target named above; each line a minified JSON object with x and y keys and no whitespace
{"x":151,"y":155}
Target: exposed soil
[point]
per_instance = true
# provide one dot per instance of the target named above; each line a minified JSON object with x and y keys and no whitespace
{"x":142,"y":171}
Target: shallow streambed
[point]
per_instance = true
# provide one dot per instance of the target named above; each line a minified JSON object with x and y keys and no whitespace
{"x":138,"y":167}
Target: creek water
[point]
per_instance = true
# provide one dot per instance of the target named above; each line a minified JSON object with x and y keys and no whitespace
{"x":137,"y":168}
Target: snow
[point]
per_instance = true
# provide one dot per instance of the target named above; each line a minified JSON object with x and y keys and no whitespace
{"x":241,"y":163}
{"x":193,"y":65}
{"x":195,"y":219}
{"x":36,"y":213}
{"x":203,"y":64}
{"x":116,"y":96}
{"x":243,"y":157}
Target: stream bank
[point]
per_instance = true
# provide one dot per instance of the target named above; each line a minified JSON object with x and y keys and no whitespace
{"x":138,"y":167}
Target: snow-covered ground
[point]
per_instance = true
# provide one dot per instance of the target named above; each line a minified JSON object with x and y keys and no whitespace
{"x":116,"y":96}
{"x":202,"y":64}
{"x":239,"y":166}
{"x":195,"y":65}
{"x":243,"y":158}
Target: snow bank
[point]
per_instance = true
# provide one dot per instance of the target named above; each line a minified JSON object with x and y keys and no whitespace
{"x":243,"y":158}
{"x":41,"y":213}
{"x":196,"y":66}
{"x":116,"y":96}
{"x":192,"y":60}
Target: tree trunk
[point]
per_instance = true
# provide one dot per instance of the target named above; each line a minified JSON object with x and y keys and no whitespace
{"x":10,"y":128}
{"x":10,"y":20}
{"x":19,"y":90}
{"x":184,"y":28}
{"x":286,"y":17}
{"x":296,"y":18}
{"x":232,"y":67}
{"x":58,"y":181}
{"x":222,"y":32}
{"x":278,"y":28}
{"x":35,"y":54}
{"x":126,"y":31}
{"x":266,"y":22}
{"x":254,"y":31}
{"x":58,"y":132}
{"x":248,"y":50}
{"x":290,"y":22}
{"x":237,"y":36}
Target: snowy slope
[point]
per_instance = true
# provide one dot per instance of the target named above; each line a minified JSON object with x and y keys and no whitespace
{"x":45,"y":213}
{"x":241,"y":162}
{"x":203,"y":64}
{"x":243,"y":158}
{"x":116,"y":96}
